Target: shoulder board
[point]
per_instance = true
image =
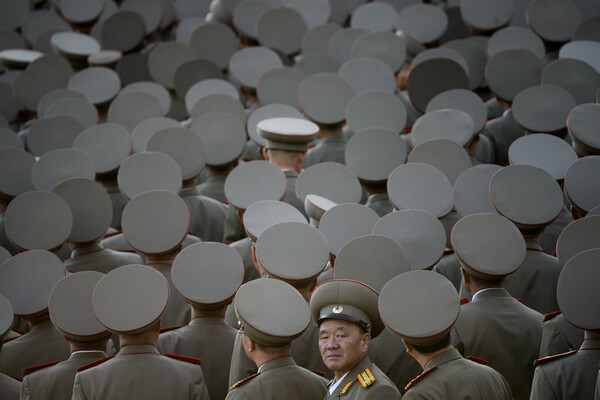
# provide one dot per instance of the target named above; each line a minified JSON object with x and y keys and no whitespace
{"x":448,"y":251}
{"x":93,"y":364}
{"x":477,"y":360}
{"x":464,"y":300}
{"x":112,"y":234}
{"x":12,"y":376}
{"x":171,"y":328}
{"x":20,"y":332}
{"x":239,"y":383}
{"x":419,"y":378}
{"x":548,"y":317}
{"x":4,"y":341}
{"x":522,"y":302}
{"x":545,"y":360}
{"x":28,"y":370}
{"x":320,"y":373}
{"x":347,"y":387}
{"x":366,"y":378}
{"x":310,"y":146}
{"x":190,"y":360}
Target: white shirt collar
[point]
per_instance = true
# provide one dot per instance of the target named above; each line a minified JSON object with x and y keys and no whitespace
{"x":335,"y":384}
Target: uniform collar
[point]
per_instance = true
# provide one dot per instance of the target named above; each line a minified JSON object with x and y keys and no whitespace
{"x":533,"y":245}
{"x":377,"y":197}
{"x":443,"y":358}
{"x":90,"y":248}
{"x":332,"y":139}
{"x":137,"y":349}
{"x":277,"y":363}
{"x":490,"y":293}
{"x":290,"y":173}
{"x":84,"y":354}
{"x":590,"y":344}
{"x":207,"y":320}
{"x":352,"y":375}
{"x":188,"y":191}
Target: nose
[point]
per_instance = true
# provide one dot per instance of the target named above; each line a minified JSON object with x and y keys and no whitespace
{"x":332,"y":343}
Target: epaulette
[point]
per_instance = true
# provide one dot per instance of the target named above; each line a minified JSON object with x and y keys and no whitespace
{"x":20,"y":332}
{"x":93,"y":364}
{"x":190,"y":360}
{"x":320,"y":373}
{"x":347,"y":387}
{"x":171,"y":328}
{"x":551,"y":315}
{"x":4,"y":341}
{"x":463,"y":301}
{"x":522,"y":302}
{"x":239,"y":383}
{"x":419,"y":378}
{"x":28,"y":370}
{"x":366,"y":378}
{"x":545,"y":360}
{"x":12,"y":376}
{"x":477,"y":360}
{"x":112,"y":234}
{"x":448,"y":251}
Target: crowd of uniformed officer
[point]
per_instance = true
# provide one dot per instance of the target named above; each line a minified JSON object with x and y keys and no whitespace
{"x":310,"y":199}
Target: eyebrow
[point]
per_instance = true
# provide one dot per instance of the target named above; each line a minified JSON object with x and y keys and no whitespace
{"x":335,"y":329}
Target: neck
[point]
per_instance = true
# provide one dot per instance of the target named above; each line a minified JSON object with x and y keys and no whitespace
{"x":261,"y":357}
{"x":149,"y":336}
{"x":73,"y":245}
{"x":189,"y":183}
{"x":37,"y":319}
{"x":592,"y":335}
{"x":216,"y":313}
{"x":330,"y":130}
{"x":162,"y":258}
{"x":340,"y":373}
{"x":424,"y":359}
{"x":98,"y":345}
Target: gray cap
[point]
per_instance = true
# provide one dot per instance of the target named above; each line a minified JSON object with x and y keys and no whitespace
{"x":130,"y":299}
{"x":516,"y":37}
{"x":347,"y":300}
{"x":315,"y":206}
{"x":38,"y":220}
{"x":15,"y":171}
{"x":561,"y":72}
{"x":153,"y":88}
{"x":246,"y":14}
{"x":142,"y":172}
{"x":151,"y":230}
{"x":419,"y":233}
{"x":526,"y":195}
{"x":7,"y":315}
{"x":463,"y":100}
{"x":432,"y":77}
{"x":28,"y":278}
{"x":90,"y":205}
{"x":209,"y":86}
{"x":314,"y":12}
{"x":33,"y":83}
{"x":98,"y":84}
{"x":75,"y":46}
{"x":587,"y":29}
{"x":442,"y":52}
{"x":124,"y":31}
{"x":282,"y":29}
{"x":553,"y":20}
{"x":543,"y":108}
{"x":214,"y":42}
{"x":580,"y":235}
{"x":150,"y":10}
{"x":372,"y":154}
{"x":80,"y":109}
{"x":4,"y":255}
{"x":425,"y":23}
{"x":487,"y":15}
{"x":420,"y":186}
{"x":341,"y":42}
{"x":223,"y":135}
{"x":165,"y":58}
{"x":331,"y":180}
{"x":184,"y":146}
{"x":217,"y":103}
{"x":316,"y":39}
{"x":594,"y":211}
{"x":70,"y":307}
{"x":192,"y":72}
{"x":385,"y":46}
{"x":283,"y":314}
{"x":254,"y":181}
{"x":385,"y":257}
{"x":292,"y":134}
{"x":263,"y":214}
{"x":582,"y":185}
{"x":108,"y":144}
{"x":446,"y":155}
{"x":207,"y":274}
{"x":489,"y":246}
{"x":51,"y":133}
{"x":509,"y":72}
{"x":323,"y":97}
{"x":577,"y":292}
{"x":376,"y":16}
{"x":316,"y":63}
{"x":583,"y":50}
{"x":548,"y":152}
{"x":454,"y":125}
{"x":344,"y":222}
{"x":420,"y":306}
{"x":130,"y":109}
{"x":57,"y":165}
{"x":474,"y":58}
{"x":266,"y":112}
{"x":246,"y":65}
{"x":376,"y":110}
{"x":105,"y":58}
{"x":368,"y":74}
{"x":583,"y":124}
{"x":471,"y":193}
{"x":8,"y":138}
{"x":279,"y":85}
{"x":293,"y":252}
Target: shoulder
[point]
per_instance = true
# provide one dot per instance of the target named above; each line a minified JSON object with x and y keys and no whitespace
{"x":419,"y":378}
{"x":94,"y":364}
{"x":30,"y":370}
{"x":243,"y":382}
{"x":550,"y":316}
{"x":546,"y":360}
{"x":171,"y":329}
{"x":183,"y":359}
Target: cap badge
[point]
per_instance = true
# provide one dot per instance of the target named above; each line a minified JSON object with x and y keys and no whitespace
{"x":337,"y":309}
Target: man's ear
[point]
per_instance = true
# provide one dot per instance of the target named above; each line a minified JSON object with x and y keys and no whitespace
{"x":407,"y":346}
{"x":264,"y":152}
{"x":466,"y":279}
{"x":255,"y":261}
{"x":365,"y":340}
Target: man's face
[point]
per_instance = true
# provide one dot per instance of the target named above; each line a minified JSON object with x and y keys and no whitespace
{"x":342,"y":345}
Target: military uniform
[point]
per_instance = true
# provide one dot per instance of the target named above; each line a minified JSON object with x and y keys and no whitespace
{"x":213,"y":187}
{"x":290,"y":193}
{"x":10,"y":388}
{"x":277,"y":378}
{"x":94,"y":257}
{"x":233,"y":229}
{"x":118,"y":202}
{"x":55,"y":380}
{"x":559,"y":336}
{"x":141,"y":371}
{"x":178,"y":311}
{"x":380,"y":203}
{"x":449,"y":266}
{"x":501,"y":132}
{"x":207,"y":216}
{"x":330,"y":148}
{"x":244,"y":248}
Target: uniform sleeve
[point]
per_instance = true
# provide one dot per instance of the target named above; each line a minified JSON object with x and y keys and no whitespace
{"x":540,"y":387}
{"x":25,"y":391}
{"x":553,"y":341}
{"x":383,"y":392}
{"x":78,"y":393}
{"x":241,"y":366}
{"x":236,"y":395}
{"x":200,"y":392}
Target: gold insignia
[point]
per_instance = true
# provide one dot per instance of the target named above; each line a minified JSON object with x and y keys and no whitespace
{"x":366,"y":378}
{"x":337,"y":309}
{"x":345,"y":389}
